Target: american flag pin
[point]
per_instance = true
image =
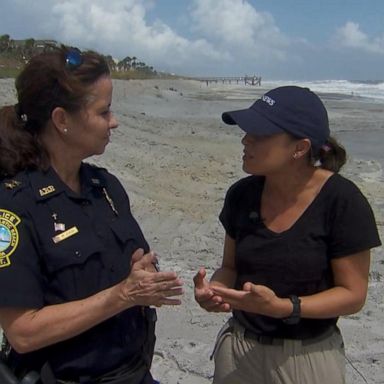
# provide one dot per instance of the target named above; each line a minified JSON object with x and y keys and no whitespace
{"x":59,"y":227}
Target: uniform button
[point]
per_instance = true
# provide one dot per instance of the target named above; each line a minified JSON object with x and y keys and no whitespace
{"x":77,"y":253}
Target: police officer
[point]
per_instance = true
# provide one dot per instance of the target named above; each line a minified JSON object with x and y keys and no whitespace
{"x":77,"y":276}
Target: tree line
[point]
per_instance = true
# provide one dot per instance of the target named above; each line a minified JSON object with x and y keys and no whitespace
{"x":20,"y":51}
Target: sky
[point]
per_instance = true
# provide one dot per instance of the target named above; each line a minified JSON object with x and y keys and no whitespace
{"x":275,"y":39}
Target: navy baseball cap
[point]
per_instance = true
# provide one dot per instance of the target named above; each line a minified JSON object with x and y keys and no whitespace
{"x":290,"y":109}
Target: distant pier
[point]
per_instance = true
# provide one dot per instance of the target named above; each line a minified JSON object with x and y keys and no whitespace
{"x":247,"y":80}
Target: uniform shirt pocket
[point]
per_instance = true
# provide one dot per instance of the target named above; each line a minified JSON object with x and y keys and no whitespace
{"x":58,"y":258}
{"x":74,"y":271}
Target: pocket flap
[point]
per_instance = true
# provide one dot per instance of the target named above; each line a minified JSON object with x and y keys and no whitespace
{"x":58,"y":257}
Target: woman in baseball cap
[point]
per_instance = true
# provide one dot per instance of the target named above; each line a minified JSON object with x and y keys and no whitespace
{"x":296,"y":250}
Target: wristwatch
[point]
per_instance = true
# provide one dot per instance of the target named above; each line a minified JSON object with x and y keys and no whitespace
{"x":294,"y":317}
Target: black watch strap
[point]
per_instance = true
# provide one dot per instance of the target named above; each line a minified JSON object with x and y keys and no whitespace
{"x":294,"y":317}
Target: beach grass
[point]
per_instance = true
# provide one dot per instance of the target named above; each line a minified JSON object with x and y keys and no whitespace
{"x":8,"y":73}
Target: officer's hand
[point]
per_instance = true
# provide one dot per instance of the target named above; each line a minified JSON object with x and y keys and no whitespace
{"x":138,"y":254}
{"x":204,"y":295}
{"x":144,"y":287}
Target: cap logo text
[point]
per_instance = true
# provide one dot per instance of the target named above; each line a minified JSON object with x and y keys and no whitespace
{"x":268,"y":100}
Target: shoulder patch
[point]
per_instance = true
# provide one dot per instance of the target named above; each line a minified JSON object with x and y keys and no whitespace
{"x":9,"y":236}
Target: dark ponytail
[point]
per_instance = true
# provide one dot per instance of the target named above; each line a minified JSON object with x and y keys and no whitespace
{"x":331,"y":156}
{"x":19,"y":148}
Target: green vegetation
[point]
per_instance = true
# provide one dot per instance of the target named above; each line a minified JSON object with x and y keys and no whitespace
{"x":8,"y":73}
{"x":14,"y":54}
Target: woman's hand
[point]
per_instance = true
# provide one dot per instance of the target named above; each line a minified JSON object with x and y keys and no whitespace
{"x":146,"y":286}
{"x":253,"y":298}
{"x":205,"y":296}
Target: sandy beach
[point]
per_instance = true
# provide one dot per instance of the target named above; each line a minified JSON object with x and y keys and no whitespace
{"x":176,"y":160}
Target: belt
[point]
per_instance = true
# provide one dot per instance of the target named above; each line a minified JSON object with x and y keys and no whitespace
{"x":263,"y":339}
{"x":270,"y":340}
{"x":133,"y":372}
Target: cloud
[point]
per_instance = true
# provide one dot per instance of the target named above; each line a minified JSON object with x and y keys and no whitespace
{"x":237,"y":27}
{"x":120,"y":27}
{"x":351,"y":36}
{"x":222,"y":31}
{"x":216,"y":34}
{"x":212,"y":37}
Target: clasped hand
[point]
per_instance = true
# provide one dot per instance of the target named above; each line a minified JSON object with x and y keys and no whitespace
{"x":145,"y":286}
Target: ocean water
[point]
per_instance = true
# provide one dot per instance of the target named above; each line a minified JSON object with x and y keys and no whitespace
{"x":368,"y":89}
{"x":372,"y":90}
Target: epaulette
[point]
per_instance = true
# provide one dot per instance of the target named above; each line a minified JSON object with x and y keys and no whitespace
{"x":11,"y":184}
{"x":98,"y":173}
{"x":96,"y":167}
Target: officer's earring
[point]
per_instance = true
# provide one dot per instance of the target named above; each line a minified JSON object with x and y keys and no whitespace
{"x":65,"y":130}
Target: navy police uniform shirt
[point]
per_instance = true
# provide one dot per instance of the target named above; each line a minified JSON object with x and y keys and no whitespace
{"x":58,"y":246}
{"x":339,"y":222}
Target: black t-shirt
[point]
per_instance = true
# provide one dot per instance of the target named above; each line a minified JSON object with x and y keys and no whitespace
{"x":339,"y":222}
{"x":57,"y":246}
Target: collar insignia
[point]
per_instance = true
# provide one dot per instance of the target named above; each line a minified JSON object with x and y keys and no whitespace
{"x":46,"y":190}
{"x":12,"y":184}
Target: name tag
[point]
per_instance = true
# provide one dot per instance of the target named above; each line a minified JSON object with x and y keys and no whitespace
{"x":64,"y":235}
